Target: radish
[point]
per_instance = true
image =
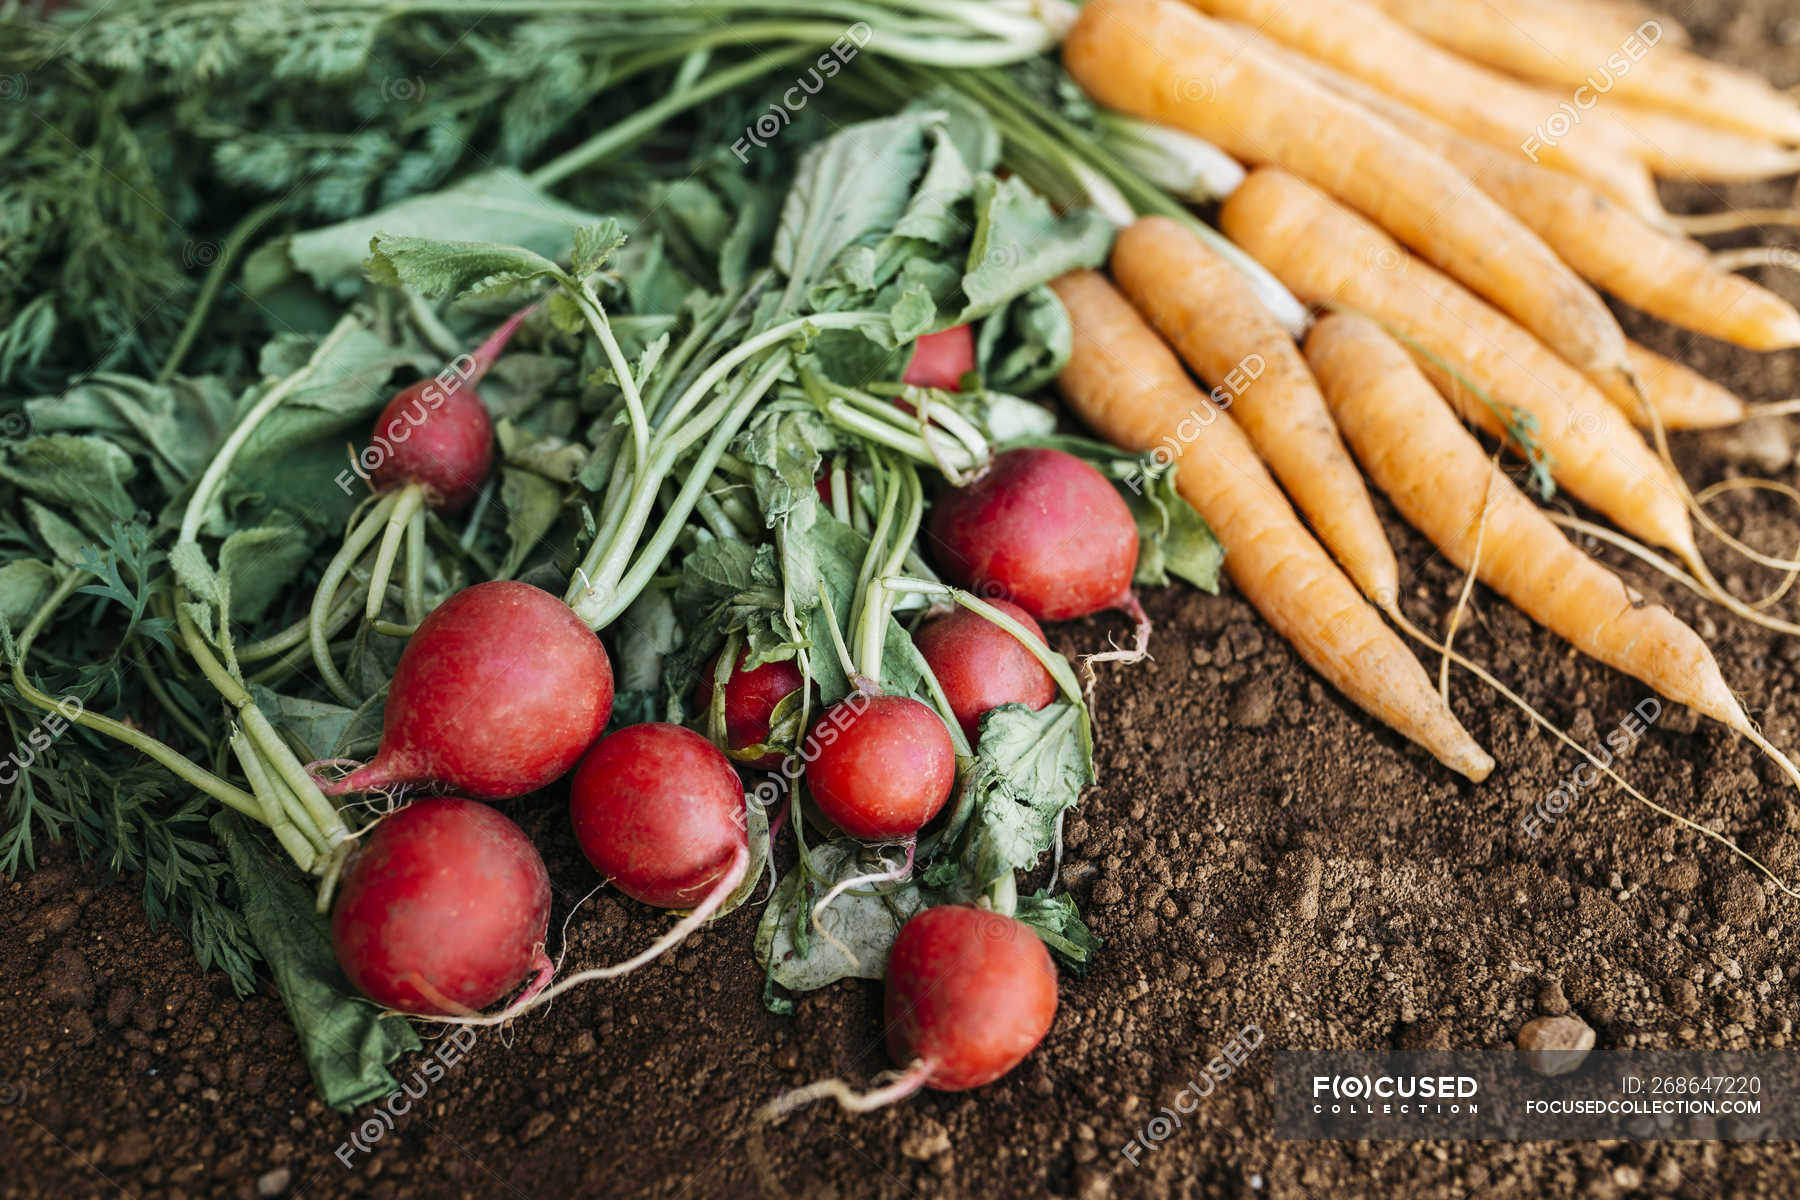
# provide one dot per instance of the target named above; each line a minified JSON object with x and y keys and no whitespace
{"x":446,"y":448}
{"x":1043,"y":529}
{"x":659,"y":811}
{"x":969,"y":994}
{"x":443,"y":910}
{"x":431,"y":449}
{"x":750,"y":699}
{"x":436,"y":432}
{"x":981,"y":666}
{"x":499,"y":693}
{"x":881,"y":766}
{"x":940,"y":360}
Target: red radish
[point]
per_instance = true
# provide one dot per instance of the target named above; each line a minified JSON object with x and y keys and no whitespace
{"x":981,"y":666}
{"x":499,"y":692}
{"x":444,"y":910}
{"x":940,"y":360}
{"x":659,"y":811}
{"x":882,"y":766}
{"x":1043,"y":529}
{"x":436,"y":433}
{"x":750,"y":699}
{"x":969,"y":994}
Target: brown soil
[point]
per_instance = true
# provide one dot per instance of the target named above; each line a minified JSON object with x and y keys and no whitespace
{"x":1256,"y":852}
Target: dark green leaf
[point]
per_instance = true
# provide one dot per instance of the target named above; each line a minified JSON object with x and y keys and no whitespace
{"x":347,"y":1041}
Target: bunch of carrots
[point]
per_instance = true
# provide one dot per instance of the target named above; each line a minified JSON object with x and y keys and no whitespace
{"x":1407,"y":184}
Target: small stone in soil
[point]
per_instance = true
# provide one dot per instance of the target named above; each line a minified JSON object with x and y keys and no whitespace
{"x":1555,"y":1045}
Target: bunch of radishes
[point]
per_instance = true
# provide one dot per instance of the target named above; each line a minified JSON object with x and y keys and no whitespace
{"x":501,"y":690}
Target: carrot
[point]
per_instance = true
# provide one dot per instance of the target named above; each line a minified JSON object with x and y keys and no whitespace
{"x":1665,"y":275}
{"x":1678,"y":147}
{"x":1357,"y":38}
{"x":1127,"y":385}
{"x":1630,"y":60}
{"x":1615,"y":18}
{"x":1160,"y":60}
{"x":1201,"y":305}
{"x":1682,"y":397}
{"x":1442,"y":482}
{"x":1326,"y":255}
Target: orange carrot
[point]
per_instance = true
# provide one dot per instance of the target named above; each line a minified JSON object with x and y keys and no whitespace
{"x":1127,"y":385}
{"x":1683,"y":398}
{"x":1440,"y":479}
{"x":1160,"y":60}
{"x":1631,"y":60}
{"x":1202,"y":306}
{"x":1357,"y":38}
{"x":1664,"y":274}
{"x":1326,"y":255}
{"x":1678,"y":147}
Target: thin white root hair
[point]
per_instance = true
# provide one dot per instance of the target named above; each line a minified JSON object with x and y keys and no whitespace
{"x":891,"y":875}
{"x":900,"y":1085}
{"x":696,"y":917}
{"x":1773,"y":408}
{"x":1705,"y":224}
{"x":1696,"y":564}
{"x":1138,"y":652}
{"x":1740,"y":257}
{"x":1469,"y":578}
{"x":1524,"y":706}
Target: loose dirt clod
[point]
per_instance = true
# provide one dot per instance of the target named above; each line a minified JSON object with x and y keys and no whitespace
{"x":1555,"y":1045}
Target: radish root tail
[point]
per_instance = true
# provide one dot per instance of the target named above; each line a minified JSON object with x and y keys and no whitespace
{"x":1138,"y":652}
{"x":899,"y":1085}
{"x":536,"y":996}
